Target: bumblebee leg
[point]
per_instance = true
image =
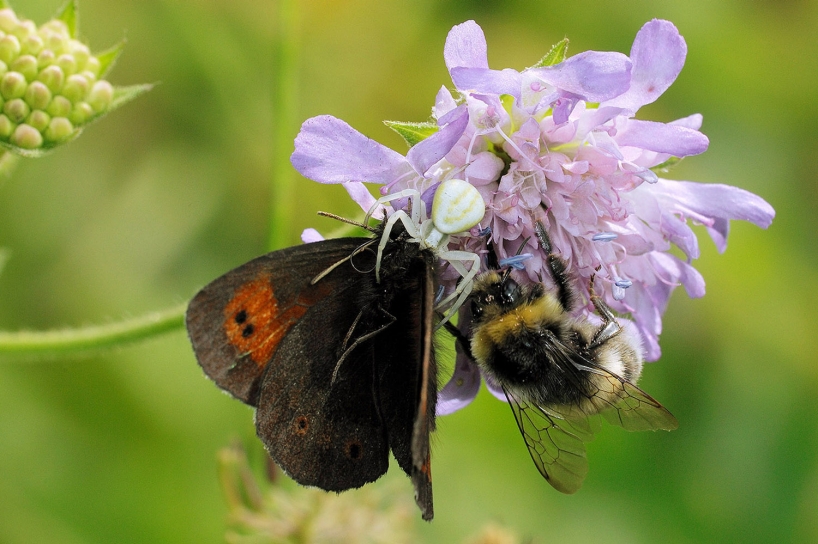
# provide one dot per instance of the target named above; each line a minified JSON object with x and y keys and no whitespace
{"x":610,"y":326}
{"x":459,"y":337}
{"x":558,"y":268}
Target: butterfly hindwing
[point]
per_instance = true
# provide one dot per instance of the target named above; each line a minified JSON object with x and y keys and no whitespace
{"x":326,"y":433}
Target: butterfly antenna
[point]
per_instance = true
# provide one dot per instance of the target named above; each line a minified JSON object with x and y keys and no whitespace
{"x":347,"y":221}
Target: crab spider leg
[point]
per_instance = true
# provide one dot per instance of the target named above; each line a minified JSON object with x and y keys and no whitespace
{"x":401,"y":216}
{"x":413,"y":194}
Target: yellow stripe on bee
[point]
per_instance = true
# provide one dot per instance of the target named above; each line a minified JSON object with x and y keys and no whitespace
{"x":505,"y":326}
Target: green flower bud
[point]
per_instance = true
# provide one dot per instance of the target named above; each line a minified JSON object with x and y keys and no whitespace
{"x":56,"y":26}
{"x":75,"y":88}
{"x":58,"y":129}
{"x":38,"y":95}
{"x":66,"y":62}
{"x":13,"y":85}
{"x":16,"y":109}
{"x":55,"y":42}
{"x":32,"y":45}
{"x":27,"y":137}
{"x":89,"y":77}
{"x":8,"y":20}
{"x":81,"y":54}
{"x":3,"y":68}
{"x":6,"y":127}
{"x":39,"y":120}
{"x":24,"y":29}
{"x":59,"y":107}
{"x":46,"y":57}
{"x":101,"y":96}
{"x":53,"y":77}
{"x":26,"y":65}
{"x":80,"y":113}
{"x":9,"y":48}
{"x":93,"y":66}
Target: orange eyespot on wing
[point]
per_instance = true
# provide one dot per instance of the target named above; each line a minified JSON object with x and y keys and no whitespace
{"x":253,"y":322}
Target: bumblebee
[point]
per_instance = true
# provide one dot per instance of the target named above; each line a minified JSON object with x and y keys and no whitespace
{"x":559,"y":371}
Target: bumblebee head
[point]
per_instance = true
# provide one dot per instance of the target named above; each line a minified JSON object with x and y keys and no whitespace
{"x":494,"y":293}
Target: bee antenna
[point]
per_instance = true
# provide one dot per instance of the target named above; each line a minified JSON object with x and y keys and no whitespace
{"x":345,"y":220}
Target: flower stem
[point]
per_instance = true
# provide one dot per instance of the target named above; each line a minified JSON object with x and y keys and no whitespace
{"x":285,"y":119}
{"x":93,"y":338}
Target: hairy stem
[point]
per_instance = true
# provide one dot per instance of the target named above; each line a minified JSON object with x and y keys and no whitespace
{"x":97,"y":337}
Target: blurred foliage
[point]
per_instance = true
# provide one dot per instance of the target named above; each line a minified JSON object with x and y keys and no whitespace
{"x":174,"y":189}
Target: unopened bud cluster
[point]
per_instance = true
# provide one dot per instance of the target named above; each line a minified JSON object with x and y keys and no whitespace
{"x":48,"y":82}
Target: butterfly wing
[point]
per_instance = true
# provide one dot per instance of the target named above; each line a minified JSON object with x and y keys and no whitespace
{"x":324,"y":432}
{"x":237,"y":322}
{"x":408,"y":376}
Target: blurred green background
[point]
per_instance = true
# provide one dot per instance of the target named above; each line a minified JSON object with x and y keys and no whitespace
{"x":174,"y":189}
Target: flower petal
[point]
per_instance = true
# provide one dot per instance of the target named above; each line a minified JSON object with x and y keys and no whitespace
{"x":309,"y":236}
{"x":676,"y":140}
{"x":426,"y":153}
{"x":714,"y":200}
{"x":328,"y":150}
{"x":594,"y":76}
{"x":461,"y":389}
{"x":484,"y":80}
{"x":466,"y":47}
{"x":658,"y":54}
{"x":361,"y":195}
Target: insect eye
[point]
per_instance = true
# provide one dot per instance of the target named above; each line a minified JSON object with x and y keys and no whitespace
{"x":510,"y":289}
{"x":476,"y":309}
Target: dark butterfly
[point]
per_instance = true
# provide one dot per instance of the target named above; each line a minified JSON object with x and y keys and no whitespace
{"x":338,"y":363}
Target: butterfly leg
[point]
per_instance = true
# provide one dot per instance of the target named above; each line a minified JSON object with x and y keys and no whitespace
{"x":361,"y":339}
{"x":610,"y":326}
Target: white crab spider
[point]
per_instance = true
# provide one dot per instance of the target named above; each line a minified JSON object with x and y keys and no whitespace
{"x":457,"y":207}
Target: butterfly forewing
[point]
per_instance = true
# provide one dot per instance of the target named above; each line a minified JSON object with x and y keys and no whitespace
{"x":236,"y":322}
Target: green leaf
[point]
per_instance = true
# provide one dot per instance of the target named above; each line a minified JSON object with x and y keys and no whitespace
{"x":108,"y":58}
{"x":413,"y":133}
{"x":4,"y":5}
{"x":69,"y":14}
{"x":555,"y":56}
{"x":123,"y":95}
{"x":667,"y":165}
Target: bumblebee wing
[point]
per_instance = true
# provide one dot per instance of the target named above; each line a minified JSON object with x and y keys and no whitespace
{"x":556,"y":444}
{"x":619,"y":401}
{"x":622,"y":403}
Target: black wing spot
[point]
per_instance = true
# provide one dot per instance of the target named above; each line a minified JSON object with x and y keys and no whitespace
{"x":302,"y":424}
{"x":355,"y":450}
{"x":248,"y":330}
{"x":241,"y":317}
